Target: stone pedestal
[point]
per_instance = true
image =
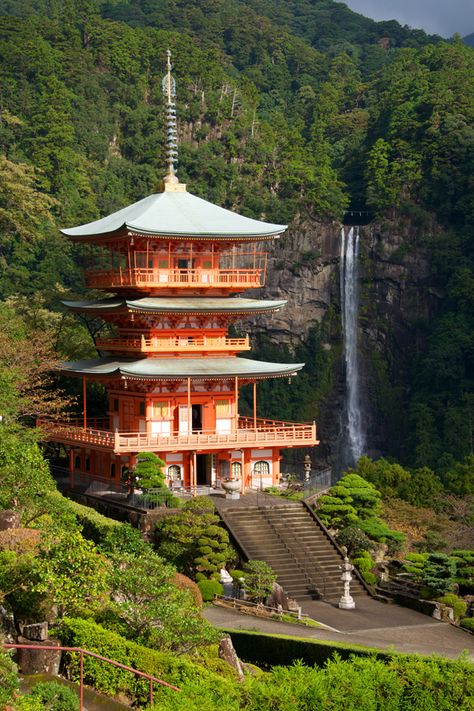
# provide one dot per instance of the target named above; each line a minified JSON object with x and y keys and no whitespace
{"x":41,"y":661}
{"x":231,"y":488}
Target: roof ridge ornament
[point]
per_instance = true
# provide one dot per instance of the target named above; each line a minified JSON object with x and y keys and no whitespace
{"x":171,"y":181}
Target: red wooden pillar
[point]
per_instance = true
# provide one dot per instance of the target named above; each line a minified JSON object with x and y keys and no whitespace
{"x":71,"y":467}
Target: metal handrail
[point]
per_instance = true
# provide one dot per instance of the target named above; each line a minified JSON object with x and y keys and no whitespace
{"x":301,"y":545}
{"x":290,"y":550}
{"x":42,"y":647}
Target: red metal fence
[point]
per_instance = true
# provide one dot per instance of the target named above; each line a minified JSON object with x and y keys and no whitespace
{"x":151,"y":679}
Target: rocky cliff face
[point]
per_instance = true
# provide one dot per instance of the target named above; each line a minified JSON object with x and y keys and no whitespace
{"x":397,"y":300}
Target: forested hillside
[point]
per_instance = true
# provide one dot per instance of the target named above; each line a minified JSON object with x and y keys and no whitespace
{"x":288,"y":111}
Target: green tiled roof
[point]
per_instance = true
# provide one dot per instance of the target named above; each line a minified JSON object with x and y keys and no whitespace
{"x":178,"y":214}
{"x":179,"y":368}
{"x":178,"y":304}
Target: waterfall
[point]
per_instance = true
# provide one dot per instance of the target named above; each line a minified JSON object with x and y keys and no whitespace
{"x":353,"y":445}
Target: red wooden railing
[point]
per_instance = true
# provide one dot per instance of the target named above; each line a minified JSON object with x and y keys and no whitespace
{"x":160,"y":278}
{"x":151,"y":679}
{"x":269,"y":432}
{"x":158,"y":344}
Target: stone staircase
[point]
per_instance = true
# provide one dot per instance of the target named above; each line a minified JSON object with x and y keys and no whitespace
{"x":295,"y":544}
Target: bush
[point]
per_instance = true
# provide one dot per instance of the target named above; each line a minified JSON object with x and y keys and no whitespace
{"x":95,"y":526}
{"x":354,"y":540}
{"x":458,"y":604}
{"x":376,"y":529}
{"x":439,"y":573}
{"x":209,"y":588}
{"x":259,"y":578}
{"x":364,"y":563}
{"x":369,"y":577}
{"x":8,"y":677}
{"x":54,"y":697}
{"x":467,"y":623}
{"x":106,"y":679}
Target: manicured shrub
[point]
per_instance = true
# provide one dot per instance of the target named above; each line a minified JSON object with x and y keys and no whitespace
{"x":55,"y":697}
{"x":464,"y":570}
{"x":369,"y":577}
{"x":364,"y":563}
{"x":95,"y":526}
{"x":184,"y":583}
{"x":209,"y":588}
{"x":259,"y":579}
{"x":439,"y":573}
{"x":458,"y":604}
{"x":354,"y":540}
{"x":376,"y":529}
{"x":468,"y":623}
{"x":177,"y":670}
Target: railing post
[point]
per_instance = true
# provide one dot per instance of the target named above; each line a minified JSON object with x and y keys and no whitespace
{"x":81,"y":681}
{"x":151,"y":691}
{"x":116,"y":440}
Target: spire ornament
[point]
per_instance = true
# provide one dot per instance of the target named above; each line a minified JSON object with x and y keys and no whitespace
{"x":171,"y":180}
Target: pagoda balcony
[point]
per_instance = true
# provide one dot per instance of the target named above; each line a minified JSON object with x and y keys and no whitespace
{"x":250,"y":433}
{"x":138,"y":278}
{"x":195,"y":344}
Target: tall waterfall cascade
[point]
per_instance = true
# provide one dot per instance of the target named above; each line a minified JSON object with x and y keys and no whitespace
{"x":353,"y":431}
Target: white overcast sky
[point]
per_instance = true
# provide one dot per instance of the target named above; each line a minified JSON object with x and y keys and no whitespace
{"x":442,"y":17}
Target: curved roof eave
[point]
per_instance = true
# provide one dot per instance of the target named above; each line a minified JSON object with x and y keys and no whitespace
{"x":179,"y":369}
{"x":179,"y":215}
{"x":175,"y":305}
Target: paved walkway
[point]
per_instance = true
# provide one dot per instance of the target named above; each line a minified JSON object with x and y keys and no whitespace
{"x":372,"y":624}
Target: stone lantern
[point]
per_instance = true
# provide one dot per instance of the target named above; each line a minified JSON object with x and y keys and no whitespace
{"x":347,"y":601}
{"x":307,"y":467}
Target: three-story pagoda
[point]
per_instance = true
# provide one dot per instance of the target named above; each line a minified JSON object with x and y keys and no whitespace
{"x":172,"y":372}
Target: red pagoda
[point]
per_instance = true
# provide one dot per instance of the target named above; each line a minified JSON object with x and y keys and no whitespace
{"x":172,"y":372}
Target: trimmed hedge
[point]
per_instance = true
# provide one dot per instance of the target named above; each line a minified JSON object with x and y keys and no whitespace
{"x":111,"y":680}
{"x":468,"y":623}
{"x":209,"y":588}
{"x":95,"y":526}
{"x":271,"y":650}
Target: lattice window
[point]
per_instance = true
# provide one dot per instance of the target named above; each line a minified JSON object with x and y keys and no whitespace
{"x":236,"y":470}
{"x":174,"y":472}
{"x":160,"y":410}
{"x":261,"y":468}
{"x":222,"y":408}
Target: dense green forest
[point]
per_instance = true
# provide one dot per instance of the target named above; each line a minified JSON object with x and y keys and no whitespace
{"x":286,"y":110}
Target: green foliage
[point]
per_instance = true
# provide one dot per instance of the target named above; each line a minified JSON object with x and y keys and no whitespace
{"x":70,"y":572}
{"x":459,"y":606}
{"x":364,"y":563}
{"x":354,"y":540}
{"x":259,"y":579}
{"x":370,"y":578}
{"x":464,"y":570}
{"x":439,"y":573}
{"x":156,"y":612}
{"x":111,"y":680}
{"x":53,"y":696}
{"x":376,"y":529}
{"x":26,"y":479}
{"x":8,"y":678}
{"x":149,"y":471}
{"x":95,"y":526}
{"x":468,"y":624}
{"x":194,"y":540}
{"x":210,"y":588}
{"x":351,"y":500}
